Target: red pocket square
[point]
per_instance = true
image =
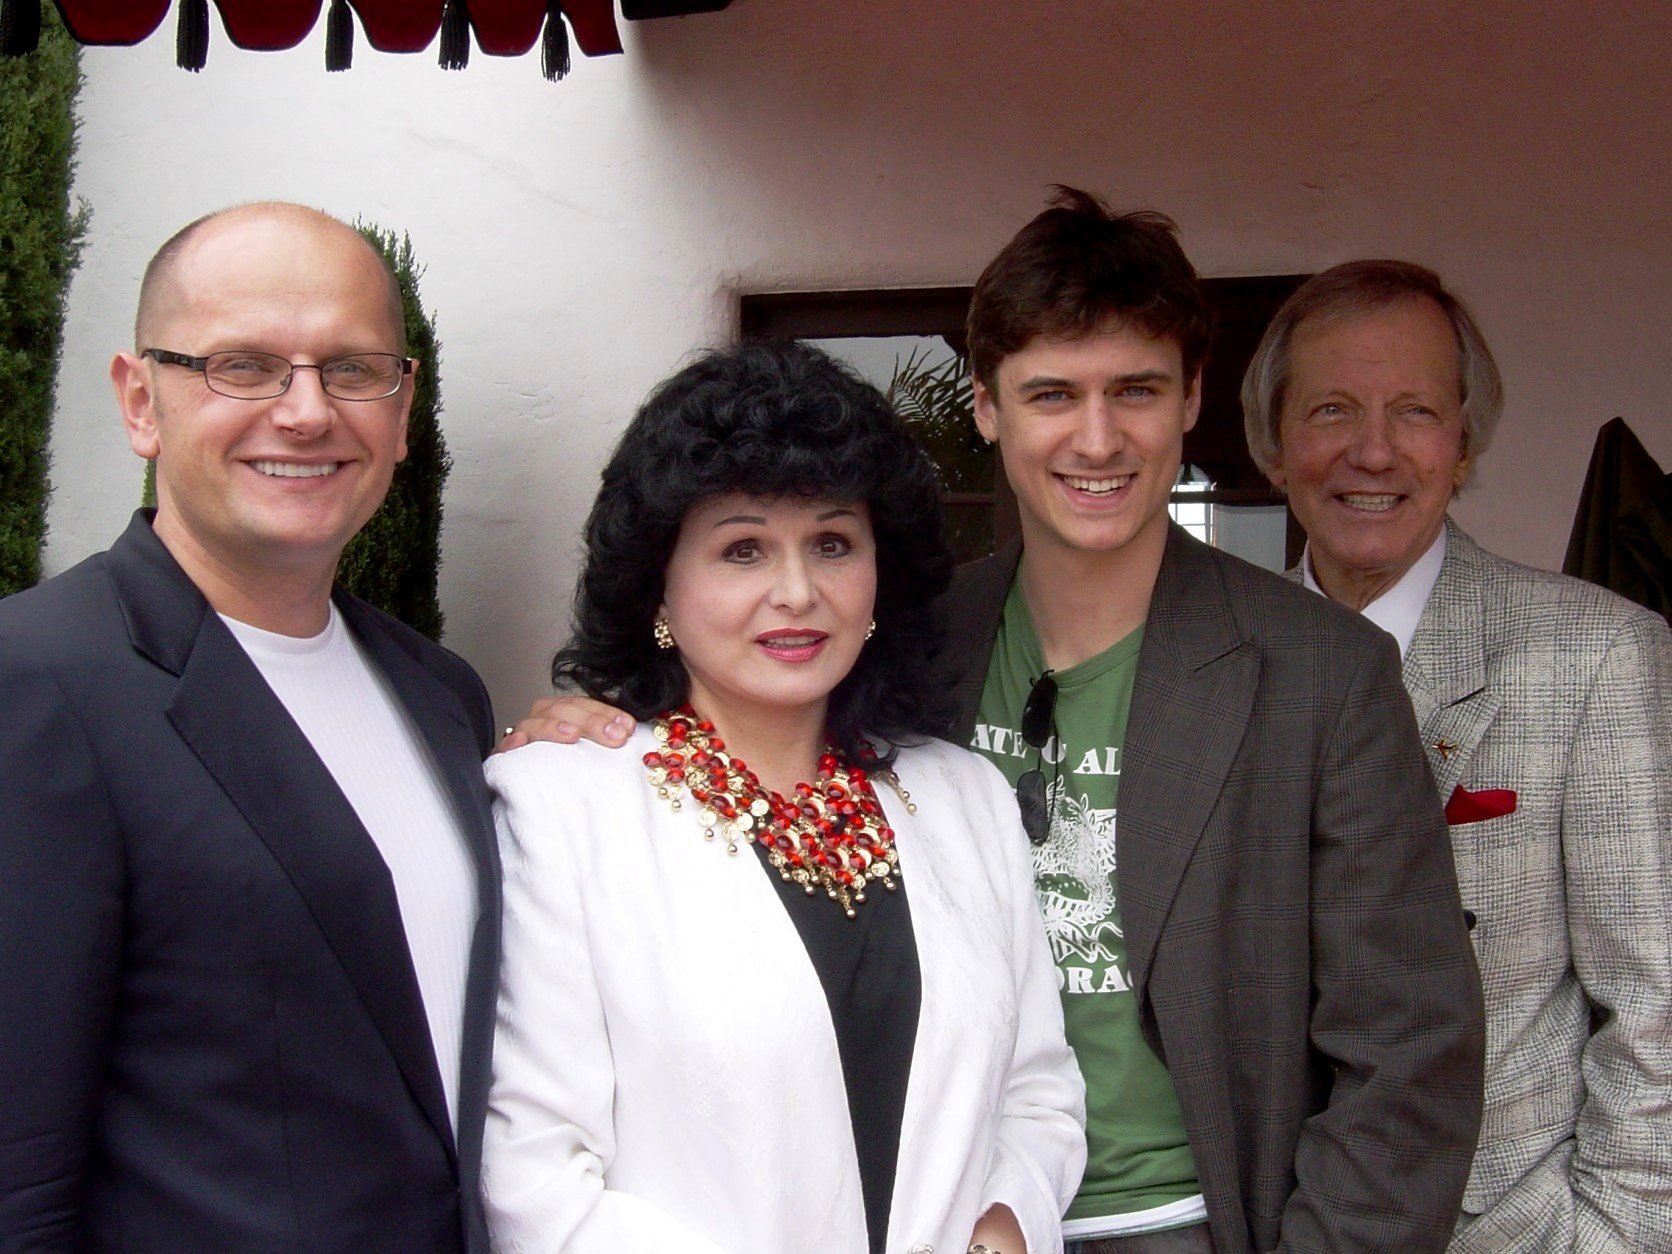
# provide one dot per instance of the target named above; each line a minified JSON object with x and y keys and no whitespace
{"x":1472,"y":807}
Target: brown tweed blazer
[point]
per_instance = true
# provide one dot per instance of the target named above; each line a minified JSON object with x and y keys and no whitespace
{"x":1296,"y":940}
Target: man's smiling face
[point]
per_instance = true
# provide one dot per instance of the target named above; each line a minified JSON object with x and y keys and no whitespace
{"x":1091,"y":430}
{"x":1371,"y":446}
{"x":280,"y":483}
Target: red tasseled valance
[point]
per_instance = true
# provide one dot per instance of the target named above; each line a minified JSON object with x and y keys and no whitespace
{"x":505,"y":28}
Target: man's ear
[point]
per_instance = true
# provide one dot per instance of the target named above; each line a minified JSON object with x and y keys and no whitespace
{"x":986,"y":411}
{"x":1460,"y":472}
{"x":1275,"y":473}
{"x":136,"y":397}
{"x":409,"y":389}
{"x":1193,"y":402}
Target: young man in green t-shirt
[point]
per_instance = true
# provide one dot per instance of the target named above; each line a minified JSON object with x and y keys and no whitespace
{"x":1266,"y":973}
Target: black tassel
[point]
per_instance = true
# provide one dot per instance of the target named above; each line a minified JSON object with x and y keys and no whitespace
{"x":191,"y":40}
{"x":339,"y":36}
{"x":554,"y":43}
{"x":20,"y":26}
{"x":455,"y":35}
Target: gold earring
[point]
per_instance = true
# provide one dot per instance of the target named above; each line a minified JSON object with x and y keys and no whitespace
{"x":663,"y":634}
{"x":871,"y":630}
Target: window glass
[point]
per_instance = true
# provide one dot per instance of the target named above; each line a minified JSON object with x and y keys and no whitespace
{"x":928,"y":384}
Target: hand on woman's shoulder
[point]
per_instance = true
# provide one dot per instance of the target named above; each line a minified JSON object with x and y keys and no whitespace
{"x":542,"y":758}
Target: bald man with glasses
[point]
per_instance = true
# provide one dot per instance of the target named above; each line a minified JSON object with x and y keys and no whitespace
{"x":249,"y":895}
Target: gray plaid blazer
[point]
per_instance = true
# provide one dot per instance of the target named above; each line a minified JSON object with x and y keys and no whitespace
{"x":1296,"y":941}
{"x":1561,"y":691}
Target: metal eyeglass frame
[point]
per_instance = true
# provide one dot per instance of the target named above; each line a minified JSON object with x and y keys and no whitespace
{"x":169,"y":357}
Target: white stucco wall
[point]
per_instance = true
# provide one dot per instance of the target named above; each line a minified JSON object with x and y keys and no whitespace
{"x":582,"y":237}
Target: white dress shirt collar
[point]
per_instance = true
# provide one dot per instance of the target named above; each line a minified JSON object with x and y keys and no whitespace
{"x":1398,"y":610}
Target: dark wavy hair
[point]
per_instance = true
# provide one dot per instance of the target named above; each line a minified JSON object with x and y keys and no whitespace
{"x":1078,"y":266}
{"x":771,"y":420}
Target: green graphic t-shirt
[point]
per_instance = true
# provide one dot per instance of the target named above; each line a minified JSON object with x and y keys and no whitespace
{"x":1139,"y":1157}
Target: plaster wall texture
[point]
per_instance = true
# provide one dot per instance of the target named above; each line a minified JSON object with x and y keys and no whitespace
{"x":583,"y":238}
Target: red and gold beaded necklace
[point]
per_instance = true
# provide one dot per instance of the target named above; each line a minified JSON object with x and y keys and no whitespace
{"x":829,"y":834}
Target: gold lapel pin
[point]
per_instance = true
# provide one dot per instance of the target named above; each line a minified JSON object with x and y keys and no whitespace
{"x":1445,"y":749}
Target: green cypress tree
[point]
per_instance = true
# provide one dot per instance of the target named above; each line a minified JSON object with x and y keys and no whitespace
{"x":394,"y":561}
{"x":41,"y":235}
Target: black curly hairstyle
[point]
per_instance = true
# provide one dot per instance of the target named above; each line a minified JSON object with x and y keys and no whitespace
{"x":768,"y":419}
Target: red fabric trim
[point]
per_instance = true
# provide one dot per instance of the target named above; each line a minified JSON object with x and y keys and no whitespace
{"x":507,"y":28}
{"x":268,"y":25}
{"x":593,"y":22}
{"x":399,"y":25}
{"x":109,"y":22}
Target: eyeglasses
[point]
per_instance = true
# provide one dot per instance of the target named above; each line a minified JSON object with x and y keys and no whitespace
{"x":1039,"y":724}
{"x":251,"y":376}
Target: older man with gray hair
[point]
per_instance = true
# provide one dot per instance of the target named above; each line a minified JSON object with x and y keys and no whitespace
{"x":1545,"y":706}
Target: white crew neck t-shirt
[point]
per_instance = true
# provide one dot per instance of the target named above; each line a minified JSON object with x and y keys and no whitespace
{"x":369,"y":743}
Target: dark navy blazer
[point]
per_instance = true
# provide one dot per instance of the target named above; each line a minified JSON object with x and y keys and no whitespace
{"x":211,"y":1033}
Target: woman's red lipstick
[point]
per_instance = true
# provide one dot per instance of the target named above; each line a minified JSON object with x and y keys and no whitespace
{"x":791,"y":644}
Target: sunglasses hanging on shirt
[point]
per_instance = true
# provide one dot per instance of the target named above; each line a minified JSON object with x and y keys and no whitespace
{"x":1039,"y":719}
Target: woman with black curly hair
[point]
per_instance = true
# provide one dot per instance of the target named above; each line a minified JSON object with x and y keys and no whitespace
{"x":855,"y":1045}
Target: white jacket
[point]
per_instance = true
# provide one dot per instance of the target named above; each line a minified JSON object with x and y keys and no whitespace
{"x":666,"y":1076}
